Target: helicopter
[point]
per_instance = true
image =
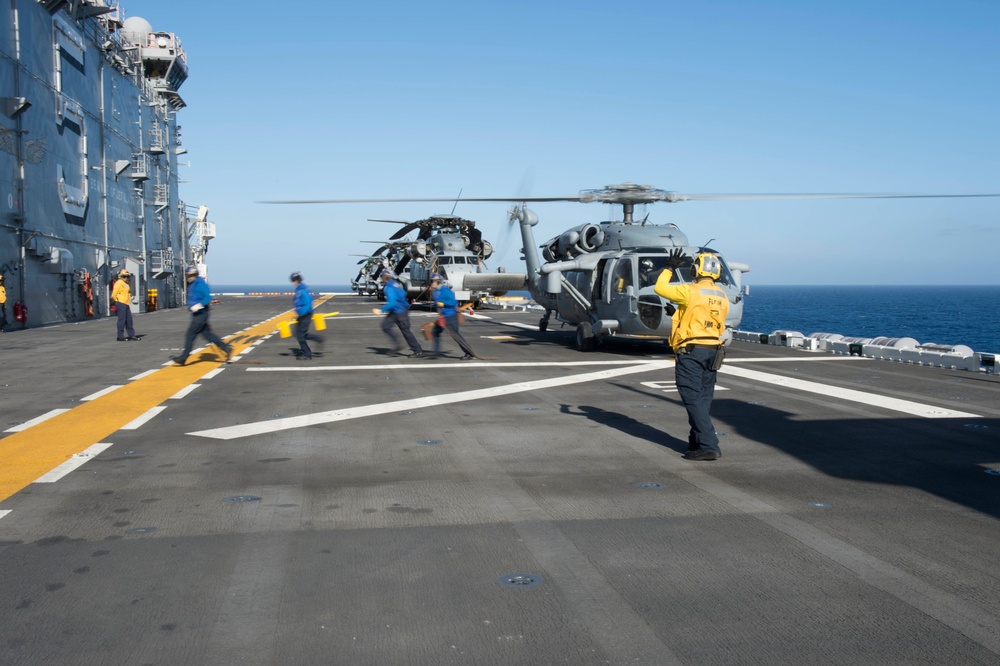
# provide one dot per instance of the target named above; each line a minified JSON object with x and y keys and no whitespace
{"x":450,"y":246}
{"x":600,"y":277}
{"x":367,"y":282}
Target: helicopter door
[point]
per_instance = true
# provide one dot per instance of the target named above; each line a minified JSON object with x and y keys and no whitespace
{"x":601,"y":284}
{"x":623,"y":292}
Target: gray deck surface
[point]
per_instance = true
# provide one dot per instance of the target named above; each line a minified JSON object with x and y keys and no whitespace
{"x":836,"y":529}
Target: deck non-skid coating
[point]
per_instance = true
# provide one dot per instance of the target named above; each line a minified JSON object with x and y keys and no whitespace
{"x":368,"y":507}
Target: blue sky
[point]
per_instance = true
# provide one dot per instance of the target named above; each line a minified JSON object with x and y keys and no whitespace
{"x":313,"y":100}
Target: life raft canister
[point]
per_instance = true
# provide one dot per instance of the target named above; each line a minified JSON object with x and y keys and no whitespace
{"x":20,"y":312}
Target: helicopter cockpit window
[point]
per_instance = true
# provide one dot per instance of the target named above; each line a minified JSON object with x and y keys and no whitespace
{"x":623,"y":275}
{"x":444,"y":260}
{"x":650,"y":269}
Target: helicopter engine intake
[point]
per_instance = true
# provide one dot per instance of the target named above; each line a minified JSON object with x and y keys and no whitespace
{"x":585,"y":238}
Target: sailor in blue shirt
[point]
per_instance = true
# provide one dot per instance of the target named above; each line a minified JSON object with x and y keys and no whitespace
{"x":396,"y":311}
{"x":447,"y":307}
{"x":303,"y":304}
{"x":199,"y":297}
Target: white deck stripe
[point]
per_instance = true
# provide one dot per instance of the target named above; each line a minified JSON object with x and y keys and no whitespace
{"x":797,"y":359}
{"x":4,"y":512}
{"x":35,"y":421}
{"x":94,"y":396}
{"x":214,"y":373}
{"x":184,"y":391}
{"x":885,"y":402}
{"x":137,"y":423}
{"x":277,"y":425}
{"x":143,"y":374}
{"x":71,"y":464}
{"x":462,"y":364}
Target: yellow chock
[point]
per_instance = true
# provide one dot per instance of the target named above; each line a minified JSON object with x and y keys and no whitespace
{"x":285,"y":327}
{"x":320,"y":319}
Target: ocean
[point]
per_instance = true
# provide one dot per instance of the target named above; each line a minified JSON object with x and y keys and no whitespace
{"x":940,"y":315}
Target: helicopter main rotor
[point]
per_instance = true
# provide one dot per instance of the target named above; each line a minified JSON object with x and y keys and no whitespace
{"x":630,"y":194}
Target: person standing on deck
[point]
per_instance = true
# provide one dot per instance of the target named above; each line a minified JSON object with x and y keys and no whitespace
{"x":695,"y":337}
{"x":121,"y":295}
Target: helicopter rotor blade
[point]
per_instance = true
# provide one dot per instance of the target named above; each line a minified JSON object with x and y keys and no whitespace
{"x":405,"y":230}
{"x":828,"y":195}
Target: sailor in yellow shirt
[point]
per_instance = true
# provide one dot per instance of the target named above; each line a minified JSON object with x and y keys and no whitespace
{"x":695,"y":336}
{"x":3,"y":305}
{"x":121,"y":295}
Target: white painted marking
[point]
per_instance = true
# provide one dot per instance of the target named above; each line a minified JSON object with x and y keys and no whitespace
{"x":671,"y":387}
{"x":885,"y":402}
{"x":802,"y":359}
{"x":184,"y":391}
{"x":35,"y":421}
{"x":94,"y":396}
{"x":4,"y":512}
{"x":277,"y":425}
{"x":143,"y":419}
{"x":75,"y":461}
{"x":258,"y":342}
{"x":143,"y":374}
{"x":213,"y":373}
{"x":527,"y":327}
{"x":461,"y":364}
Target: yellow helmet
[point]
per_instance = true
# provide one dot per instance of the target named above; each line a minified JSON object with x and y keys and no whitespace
{"x":123,"y":273}
{"x":706,"y":265}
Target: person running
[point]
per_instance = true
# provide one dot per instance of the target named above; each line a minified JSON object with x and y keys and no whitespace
{"x":396,"y":314}
{"x":199,"y":297}
{"x":303,"y":305}
{"x":447,"y":307}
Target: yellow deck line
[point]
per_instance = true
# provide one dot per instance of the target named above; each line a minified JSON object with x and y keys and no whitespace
{"x":27,"y":455}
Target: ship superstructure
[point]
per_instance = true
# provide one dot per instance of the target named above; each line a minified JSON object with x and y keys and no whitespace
{"x":89,"y":146}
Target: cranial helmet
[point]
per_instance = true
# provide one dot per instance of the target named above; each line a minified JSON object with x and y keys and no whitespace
{"x":706,"y":265}
{"x":123,"y":273}
{"x":646,"y":265}
{"x":436,"y":277}
{"x":296,"y":277}
{"x":191,"y":270}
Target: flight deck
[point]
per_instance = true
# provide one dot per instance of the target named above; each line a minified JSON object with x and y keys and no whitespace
{"x":370,"y":508}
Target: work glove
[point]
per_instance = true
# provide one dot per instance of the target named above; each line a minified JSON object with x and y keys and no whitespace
{"x":197,"y":307}
{"x":676,"y":259}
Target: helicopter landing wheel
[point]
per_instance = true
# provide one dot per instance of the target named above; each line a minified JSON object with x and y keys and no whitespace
{"x":543,"y":324}
{"x":585,"y":339}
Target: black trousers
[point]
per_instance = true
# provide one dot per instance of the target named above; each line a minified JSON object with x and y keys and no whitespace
{"x":451,"y":325}
{"x":199,"y":326}
{"x":124,"y":313}
{"x":401,"y":320}
{"x":302,"y":334}
{"x":696,"y":385}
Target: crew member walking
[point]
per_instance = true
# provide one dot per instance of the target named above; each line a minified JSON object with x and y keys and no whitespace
{"x":199,"y":297}
{"x":396,"y":314}
{"x":121,"y":294}
{"x":303,"y":304}
{"x":447,"y":307}
{"x":695,"y":337}
{"x":3,"y":305}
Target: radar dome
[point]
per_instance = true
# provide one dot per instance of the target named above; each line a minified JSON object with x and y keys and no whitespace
{"x":135,"y":29}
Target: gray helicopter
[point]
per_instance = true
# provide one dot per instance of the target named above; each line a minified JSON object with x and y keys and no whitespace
{"x":452,"y":247}
{"x":599,"y":277}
